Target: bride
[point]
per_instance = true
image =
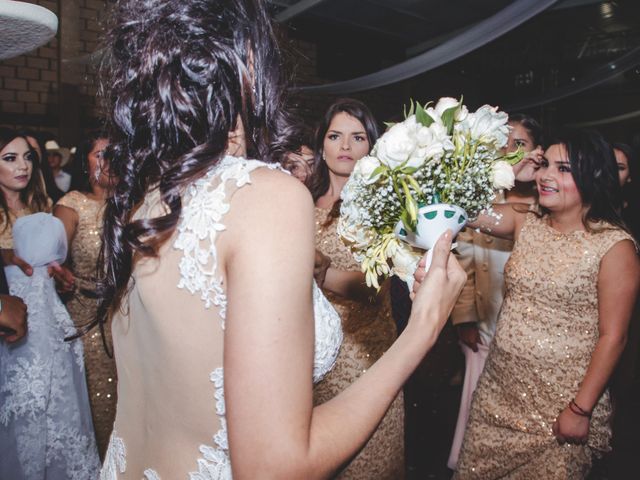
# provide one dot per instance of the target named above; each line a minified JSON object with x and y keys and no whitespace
{"x":209,"y":263}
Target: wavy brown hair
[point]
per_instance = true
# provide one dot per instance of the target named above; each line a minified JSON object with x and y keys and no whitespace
{"x":177,"y":76}
{"x":34,"y":195}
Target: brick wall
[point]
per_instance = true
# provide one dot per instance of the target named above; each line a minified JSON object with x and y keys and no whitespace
{"x":53,"y":88}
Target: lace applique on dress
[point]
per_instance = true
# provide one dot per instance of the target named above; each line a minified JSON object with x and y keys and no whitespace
{"x":203,"y":209}
{"x":115,"y":460}
{"x":202,"y":212}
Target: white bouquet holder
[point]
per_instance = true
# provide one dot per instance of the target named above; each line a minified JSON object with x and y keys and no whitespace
{"x":433,"y":221}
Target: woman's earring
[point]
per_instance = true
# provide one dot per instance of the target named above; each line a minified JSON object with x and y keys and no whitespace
{"x":324,"y":158}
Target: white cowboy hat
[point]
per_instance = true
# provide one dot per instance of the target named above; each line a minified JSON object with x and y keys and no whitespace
{"x":24,"y":27}
{"x":51,"y":146}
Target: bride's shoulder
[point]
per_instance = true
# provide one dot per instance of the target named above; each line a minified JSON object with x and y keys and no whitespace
{"x":279,"y":187}
{"x":269,"y":183}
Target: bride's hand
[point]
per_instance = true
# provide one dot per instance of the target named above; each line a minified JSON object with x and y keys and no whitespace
{"x":435,"y":292}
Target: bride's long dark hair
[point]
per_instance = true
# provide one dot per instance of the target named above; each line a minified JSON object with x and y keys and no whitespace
{"x":177,"y":76}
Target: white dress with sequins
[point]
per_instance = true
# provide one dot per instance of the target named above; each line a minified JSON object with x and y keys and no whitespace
{"x":170,"y":420}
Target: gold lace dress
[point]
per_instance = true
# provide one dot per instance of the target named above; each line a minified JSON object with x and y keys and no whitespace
{"x":369,"y":330}
{"x":546,"y":333}
{"x":100,"y":369}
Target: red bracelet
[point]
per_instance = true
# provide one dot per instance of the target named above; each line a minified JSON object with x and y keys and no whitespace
{"x":575,"y":408}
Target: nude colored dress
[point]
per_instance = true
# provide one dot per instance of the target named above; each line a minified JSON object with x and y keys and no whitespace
{"x":546,"y":334}
{"x":369,"y":331}
{"x":100,"y":368}
{"x":169,"y":339}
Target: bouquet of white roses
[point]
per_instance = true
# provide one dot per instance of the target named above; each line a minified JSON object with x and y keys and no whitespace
{"x":442,"y":155}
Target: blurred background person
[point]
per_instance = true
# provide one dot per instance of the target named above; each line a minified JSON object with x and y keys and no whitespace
{"x":58,"y":157}
{"x":81,"y":212}
{"x":299,"y":160}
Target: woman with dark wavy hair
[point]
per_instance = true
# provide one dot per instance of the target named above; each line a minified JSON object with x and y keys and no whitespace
{"x":347,"y":133}
{"x":542,"y":408}
{"x":209,"y":261}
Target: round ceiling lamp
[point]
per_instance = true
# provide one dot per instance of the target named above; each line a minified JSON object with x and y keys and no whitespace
{"x":24,"y":27}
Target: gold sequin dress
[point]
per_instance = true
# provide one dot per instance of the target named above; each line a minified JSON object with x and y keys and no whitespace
{"x":546,"y":333}
{"x":100,"y":369}
{"x":369,"y":330}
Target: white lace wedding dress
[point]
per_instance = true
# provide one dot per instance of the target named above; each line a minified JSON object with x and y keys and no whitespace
{"x":45,"y":421}
{"x":170,"y":420}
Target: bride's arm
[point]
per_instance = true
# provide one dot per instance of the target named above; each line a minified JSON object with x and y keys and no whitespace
{"x":268,"y":255}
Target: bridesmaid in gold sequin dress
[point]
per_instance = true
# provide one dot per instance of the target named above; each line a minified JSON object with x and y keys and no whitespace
{"x":347,"y":134}
{"x":81,"y":212}
{"x":541,"y":408}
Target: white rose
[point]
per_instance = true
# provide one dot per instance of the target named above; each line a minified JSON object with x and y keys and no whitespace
{"x":433,"y":141}
{"x":461,"y":114}
{"x":445,"y":103}
{"x":405,"y":261}
{"x":502,"y":175}
{"x":396,"y":145}
{"x":365,"y":167}
{"x":488,"y":125}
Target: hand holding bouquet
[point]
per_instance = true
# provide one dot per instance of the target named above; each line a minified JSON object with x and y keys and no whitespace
{"x":442,"y":156}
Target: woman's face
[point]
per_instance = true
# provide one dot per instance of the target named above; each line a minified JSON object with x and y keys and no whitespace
{"x":98,"y":166}
{"x":16,"y":165}
{"x":300,"y":164}
{"x":519,"y":137}
{"x":557,"y":189}
{"x":345,"y":143}
{"x":623,"y":167}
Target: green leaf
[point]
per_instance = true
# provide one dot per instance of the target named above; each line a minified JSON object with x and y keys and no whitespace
{"x":411,"y":109}
{"x":389,"y":124}
{"x":379,"y":170}
{"x":449,"y":117}
{"x":409,"y":170}
{"x":406,"y":221}
{"x":423,"y":118}
{"x":513,"y":157}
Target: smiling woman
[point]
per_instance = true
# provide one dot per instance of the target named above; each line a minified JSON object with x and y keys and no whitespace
{"x":571,"y":283}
